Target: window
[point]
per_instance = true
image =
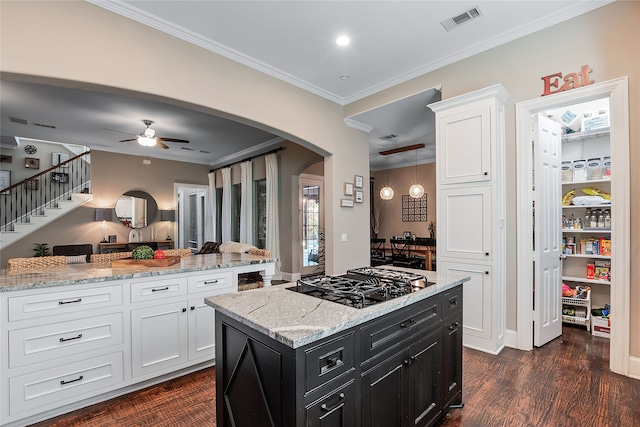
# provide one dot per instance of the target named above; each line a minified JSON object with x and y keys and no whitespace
{"x":260,"y":209}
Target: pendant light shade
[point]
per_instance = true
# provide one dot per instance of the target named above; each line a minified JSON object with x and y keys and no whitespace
{"x":386,"y":193}
{"x":416,"y":191}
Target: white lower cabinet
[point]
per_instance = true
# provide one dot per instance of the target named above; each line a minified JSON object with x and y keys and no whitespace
{"x":50,"y":388}
{"x":70,"y":343}
{"x":158,"y":337}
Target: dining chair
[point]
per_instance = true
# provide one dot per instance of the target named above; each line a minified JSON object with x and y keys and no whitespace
{"x":401,"y":254}
{"x":379,"y":252}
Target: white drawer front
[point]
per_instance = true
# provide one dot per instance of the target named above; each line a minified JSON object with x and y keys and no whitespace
{"x":32,"y":345}
{"x":214,"y":283}
{"x":64,"y":384}
{"x":50,"y":304}
{"x":151,"y":289}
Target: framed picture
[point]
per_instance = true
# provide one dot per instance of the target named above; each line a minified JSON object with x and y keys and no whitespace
{"x":346,"y":203}
{"x":5,"y":180}
{"x":348,"y":189}
{"x":112,"y":238}
{"x":5,"y":159}
{"x":32,"y":163}
{"x":57,"y":158}
{"x":32,"y":184}
{"x":358,"y":181}
{"x":60,"y":177}
{"x":359,"y":196}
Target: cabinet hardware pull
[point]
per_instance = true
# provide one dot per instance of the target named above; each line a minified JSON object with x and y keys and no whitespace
{"x":193,"y":307}
{"x":454,"y":326}
{"x":486,"y":173}
{"x":413,"y":358}
{"x":486,"y":272}
{"x":332,"y":361}
{"x":407,"y":324}
{"x":70,"y":302}
{"x":184,"y":310}
{"x":166,"y":288}
{"x":210,"y":282}
{"x":71,"y":339}
{"x":63,"y":382}
{"x":486,"y":254}
{"x":326,"y":408}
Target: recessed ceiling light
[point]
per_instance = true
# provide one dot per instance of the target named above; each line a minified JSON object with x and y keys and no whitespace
{"x":343,"y":41}
{"x":345,"y":76}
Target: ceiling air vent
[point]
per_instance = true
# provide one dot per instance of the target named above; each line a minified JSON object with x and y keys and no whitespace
{"x":388,"y":137}
{"x":451,"y":23}
{"x":19,"y":121}
{"x":44,"y":126}
{"x":187,"y":148}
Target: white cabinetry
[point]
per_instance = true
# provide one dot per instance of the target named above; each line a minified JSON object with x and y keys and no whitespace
{"x":170,"y":324}
{"x":471,"y":208}
{"x":61,"y":346}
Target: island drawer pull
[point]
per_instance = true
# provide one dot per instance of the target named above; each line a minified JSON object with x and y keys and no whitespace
{"x":454,"y":326}
{"x":166,"y":288}
{"x":63,"y":382}
{"x":326,"y":408}
{"x":407,"y":324}
{"x":211,"y":282}
{"x":71,"y":339}
{"x":70,"y":302}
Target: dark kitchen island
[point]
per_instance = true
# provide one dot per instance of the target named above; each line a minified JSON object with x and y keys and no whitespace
{"x":288,"y":359}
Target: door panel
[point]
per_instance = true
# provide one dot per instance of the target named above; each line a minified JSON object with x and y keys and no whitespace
{"x":547,"y":238}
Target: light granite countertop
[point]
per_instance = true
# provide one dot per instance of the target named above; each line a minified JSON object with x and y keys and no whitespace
{"x":90,"y":273}
{"x":296,"y":319}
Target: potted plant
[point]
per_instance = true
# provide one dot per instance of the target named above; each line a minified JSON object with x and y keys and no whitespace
{"x":41,"y":249}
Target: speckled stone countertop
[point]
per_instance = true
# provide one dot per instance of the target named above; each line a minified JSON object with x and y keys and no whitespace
{"x":90,"y":273}
{"x":296,"y":319}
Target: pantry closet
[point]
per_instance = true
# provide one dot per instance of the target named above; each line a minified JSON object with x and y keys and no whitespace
{"x":583,"y":246}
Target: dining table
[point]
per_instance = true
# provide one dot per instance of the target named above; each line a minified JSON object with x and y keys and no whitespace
{"x":422,"y":250}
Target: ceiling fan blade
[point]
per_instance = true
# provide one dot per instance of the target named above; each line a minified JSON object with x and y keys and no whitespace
{"x":161,"y":145}
{"x":119,"y":131}
{"x":172,"y":140}
{"x":128,"y":140}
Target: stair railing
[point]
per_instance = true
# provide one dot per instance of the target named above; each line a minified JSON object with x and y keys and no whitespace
{"x":44,"y":189}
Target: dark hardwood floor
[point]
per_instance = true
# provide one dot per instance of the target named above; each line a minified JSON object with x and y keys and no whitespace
{"x":565,"y":383}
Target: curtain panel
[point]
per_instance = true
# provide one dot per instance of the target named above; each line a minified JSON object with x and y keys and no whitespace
{"x":246,"y":202}
{"x":273,"y":215}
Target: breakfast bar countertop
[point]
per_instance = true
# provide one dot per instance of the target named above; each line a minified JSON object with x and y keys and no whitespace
{"x":74,"y":274}
{"x":296,"y":319}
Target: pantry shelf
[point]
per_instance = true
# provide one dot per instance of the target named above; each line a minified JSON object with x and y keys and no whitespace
{"x":588,"y":256}
{"x":608,"y":205}
{"x":587,"y":230}
{"x":585,"y":280}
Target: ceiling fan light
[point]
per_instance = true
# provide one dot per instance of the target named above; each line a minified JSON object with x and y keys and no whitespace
{"x":416,"y":191}
{"x":149,"y":133}
{"x":146,"y":141}
{"x":386,"y":193}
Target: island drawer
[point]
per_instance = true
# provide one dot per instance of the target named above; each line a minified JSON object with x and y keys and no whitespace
{"x":329,"y":359}
{"x":32,"y":345}
{"x":151,"y":290}
{"x":452,"y":301}
{"x":215,"y":283}
{"x":50,"y":304}
{"x":392,"y":330}
{"x":54,"y":387}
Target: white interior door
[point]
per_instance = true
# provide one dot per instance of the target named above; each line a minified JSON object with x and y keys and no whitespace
{"x":547,"y":141}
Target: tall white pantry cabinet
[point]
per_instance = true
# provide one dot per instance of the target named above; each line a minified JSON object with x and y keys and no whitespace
{"x":470,"y":189}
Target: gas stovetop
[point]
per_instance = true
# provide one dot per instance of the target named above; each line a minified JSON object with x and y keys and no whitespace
{"x":362,"y":287}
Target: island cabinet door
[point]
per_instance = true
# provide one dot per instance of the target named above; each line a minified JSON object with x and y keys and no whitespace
{"x":384,"y":399}
{"x":423,"y":381}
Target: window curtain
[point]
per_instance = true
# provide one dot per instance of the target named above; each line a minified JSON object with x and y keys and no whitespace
{"x":226,"y":204}
{"x":246,"y":202}
{"x":210,"y":210}
{"x":273,"y":226}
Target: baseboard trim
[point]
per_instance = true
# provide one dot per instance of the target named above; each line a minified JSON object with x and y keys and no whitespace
{"x":511,"y":339}
{"x":634,"y":367}
{"x":290,"y":277}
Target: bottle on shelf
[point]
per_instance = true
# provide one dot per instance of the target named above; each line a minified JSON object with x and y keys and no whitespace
{"x":600,"y":219}
{"x":607,"y":219}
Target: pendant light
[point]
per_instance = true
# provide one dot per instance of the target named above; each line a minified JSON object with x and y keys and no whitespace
{"x":386,"y":193}
{"x":416,"y":191}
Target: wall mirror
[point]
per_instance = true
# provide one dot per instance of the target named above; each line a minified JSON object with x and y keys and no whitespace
{"x":136,"y":209}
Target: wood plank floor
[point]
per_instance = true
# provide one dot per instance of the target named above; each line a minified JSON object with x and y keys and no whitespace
{"x":565,"y":383}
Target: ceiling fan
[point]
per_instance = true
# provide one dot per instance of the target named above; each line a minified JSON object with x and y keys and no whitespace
{"x":148,"y":137}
